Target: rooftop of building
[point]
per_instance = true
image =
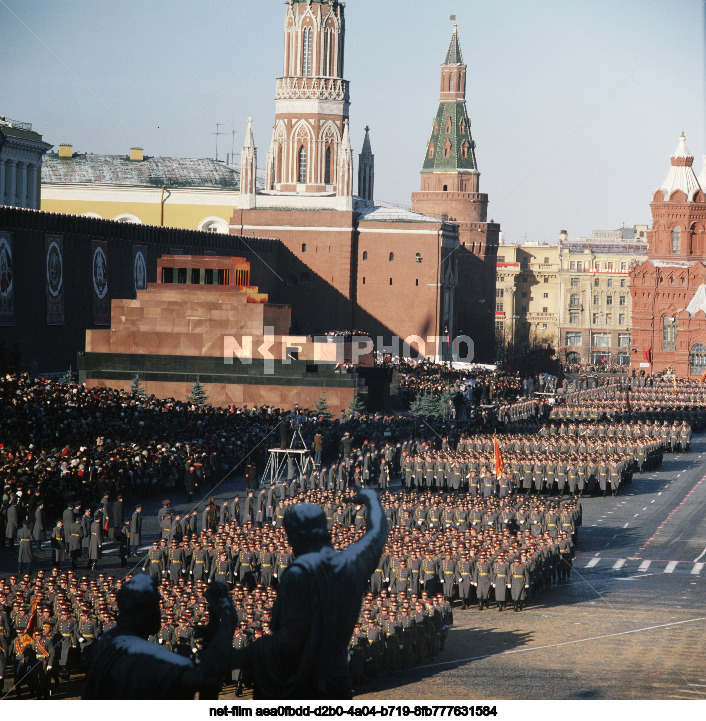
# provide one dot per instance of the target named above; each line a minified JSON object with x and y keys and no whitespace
{"x":383,"y":211}
{"x":151,"y":171}
{"x":681,"y":174}
{"x":624,"y":247}
{"x":18,"y":129}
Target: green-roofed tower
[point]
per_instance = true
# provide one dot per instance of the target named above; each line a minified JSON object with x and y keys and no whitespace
{"x":450,"y":190}
{"x":450,"y":147}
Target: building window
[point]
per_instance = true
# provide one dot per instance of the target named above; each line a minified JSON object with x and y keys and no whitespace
{"x":610,"y":282}
{"x":499,"y":308}
{"x":431,"y":150}
{"x":524,"y":293}
{"x":498,"y":292}
{"x":304,"y":278}
{"x":328,"y":52}
{"x":545,"y":309}
{"x":600,"y":357}
{"x":327,"y":167}
{"x":597,"y":265}
{"x":623,"y":340}
{"x":500,"y":259}
{"x":363,"y":280}
{"x":306,"y":51}
{"x":596,"y":300}
{"x":214,"y":225}
{"x":390,"y":281}
{"x":621,"y":318}
{"x":595,"y":319}
{"x":544,"y":326}
{"x":418,"y":257}
{"x":623,"y":266}
{"x":499,"y":328}
{"x":303,"y":247}
{"x":676,"y":239}
{"x":365,"y":255}
{"x":572,"y":265}
{"x":621,"y":300}
{"x":291,"y":280}
{"x":392,"y":256}
{"x":523,"y":309}
{"x":579,"y":265}
{"x":596,"y":282}
{"x":574,"y":299}
{"x":609,"y":300}
{"x":546,"y":278}
{"x":546,"y":295}
{"x":302,"y":165}
{"x":697,"y":359}
{"x":669,"y":333}
{"x":609,"y":319}
{"x":451,"y":82}
{"x":622,"y":282}
{"x":573,"y":339}
{"x":574,"y":317}
{"x":448,"y":125}
{"x":546,"y":261}
{"x":601,"y":340}
{"x":574,"y":282}
{"x":610,"y":266}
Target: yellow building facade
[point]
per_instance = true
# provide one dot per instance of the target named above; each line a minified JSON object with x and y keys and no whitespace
{"x":595,"y":314}
{"x":526,"y":297}
{"x":191,"y":193}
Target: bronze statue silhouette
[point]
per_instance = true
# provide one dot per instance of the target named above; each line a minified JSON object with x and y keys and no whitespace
{"x":318,"y":603}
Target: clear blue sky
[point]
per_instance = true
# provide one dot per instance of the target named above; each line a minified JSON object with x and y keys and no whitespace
{"x":575,"y":105}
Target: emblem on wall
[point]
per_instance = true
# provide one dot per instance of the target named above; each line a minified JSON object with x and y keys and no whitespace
{"x":54,"y":272}
{"x":99,"y":280}
{"x":139,"y":267}
{"x":7,"y":287}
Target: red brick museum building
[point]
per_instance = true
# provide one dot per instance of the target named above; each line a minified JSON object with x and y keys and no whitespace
{"x":669,"y":289}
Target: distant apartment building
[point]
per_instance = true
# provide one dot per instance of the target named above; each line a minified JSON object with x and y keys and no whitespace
{"x":595,"y":308}
{"x":527,"y":296}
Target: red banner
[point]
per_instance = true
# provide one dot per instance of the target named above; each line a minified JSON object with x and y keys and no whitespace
{"x":499,"y":465}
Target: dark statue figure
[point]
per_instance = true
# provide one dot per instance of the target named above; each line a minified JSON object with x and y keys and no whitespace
{"x":126,"y":665}
{"x":306,"y":655}
{"x":318,"y":602}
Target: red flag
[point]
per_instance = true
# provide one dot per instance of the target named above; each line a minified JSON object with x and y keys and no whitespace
{"x":25,"y":639}
{"x":647,"y":353}
{"x":499,"y":465}
{"x":32,"y":623}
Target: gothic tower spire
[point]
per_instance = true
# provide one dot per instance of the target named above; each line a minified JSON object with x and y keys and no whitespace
{"x":248,"y":170}
{"x":451,"y":148}
{"x":366,"y":170}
